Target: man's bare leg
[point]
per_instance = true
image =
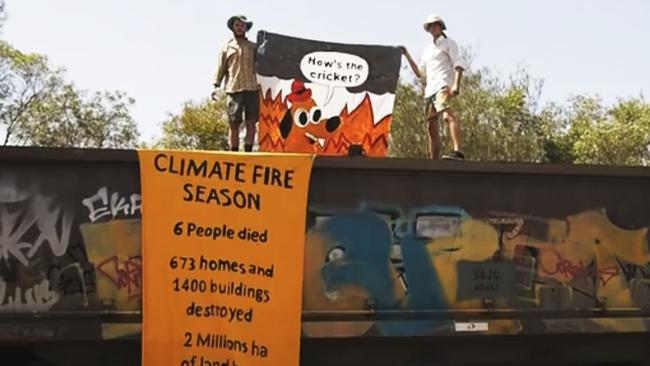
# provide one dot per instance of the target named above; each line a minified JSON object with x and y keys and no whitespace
{"x":454,"y":129}
{"x":234,"y":136}
{"x":249,"y":140}
{"x":434,"y":138}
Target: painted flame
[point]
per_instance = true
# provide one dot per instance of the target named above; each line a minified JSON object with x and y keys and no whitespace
{"x":357,"y":128}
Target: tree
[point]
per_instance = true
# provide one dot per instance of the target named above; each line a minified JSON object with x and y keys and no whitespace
{"x":408,"y":131}
{"x":498,"y":118}
{"x":617,"y":136}
{"x":571,"y":121}
{"x":501,"y":121}
{"x":75,"y":120}
{"x":39,"y":108}
{"x":590,"y":133}
{"x":24,"y":80}
{"x":199,"y":126}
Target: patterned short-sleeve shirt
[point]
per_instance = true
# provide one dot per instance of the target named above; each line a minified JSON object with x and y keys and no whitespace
{"x":237,"y":66}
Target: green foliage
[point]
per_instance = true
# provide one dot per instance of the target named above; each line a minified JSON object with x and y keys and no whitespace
{"x":25,"y":79}
{"x":497,"y":118}
{"x":408,"y":132}
{"x":618,"y":136}
{"x":101,"y":120}
{"x":199,"y":126}
{"x":38,"y":108}
{"x":501,"y":121}
{"x":500,"y":118}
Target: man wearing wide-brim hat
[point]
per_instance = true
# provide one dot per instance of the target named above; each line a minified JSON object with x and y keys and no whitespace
{"x":236,"y":67}
{"x":442,"y":69}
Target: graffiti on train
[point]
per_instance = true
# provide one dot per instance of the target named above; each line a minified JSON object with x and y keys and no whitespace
{"x":69,"y":246}
{"x":71,"y":242}
{"x":442,"y":258}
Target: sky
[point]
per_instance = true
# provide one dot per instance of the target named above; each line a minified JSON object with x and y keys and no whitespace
{"x":163,"y":52}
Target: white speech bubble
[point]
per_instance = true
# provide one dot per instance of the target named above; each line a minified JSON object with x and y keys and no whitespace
{"x":334,"y":69}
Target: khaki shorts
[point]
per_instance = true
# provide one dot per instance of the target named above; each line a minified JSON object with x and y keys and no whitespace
{"x":437,"y":103}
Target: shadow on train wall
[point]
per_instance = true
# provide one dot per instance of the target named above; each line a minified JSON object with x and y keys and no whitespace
{"x":71,"y":242}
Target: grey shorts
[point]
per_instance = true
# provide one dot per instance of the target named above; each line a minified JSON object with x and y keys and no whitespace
{"x":243,"y":106}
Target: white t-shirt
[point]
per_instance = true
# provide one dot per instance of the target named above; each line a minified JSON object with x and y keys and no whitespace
{"x":438,"y":63}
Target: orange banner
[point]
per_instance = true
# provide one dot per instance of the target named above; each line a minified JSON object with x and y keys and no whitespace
{"x":223,"y":237}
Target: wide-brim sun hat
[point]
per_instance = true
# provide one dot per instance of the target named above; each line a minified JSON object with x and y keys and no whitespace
{"x":241,"y":18}
{"x":434,"y":19}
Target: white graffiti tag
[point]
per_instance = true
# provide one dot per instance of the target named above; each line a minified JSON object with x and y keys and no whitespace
{"x":36,"y":298}
{"x":100,"y":206}
{"x":52,"y":223}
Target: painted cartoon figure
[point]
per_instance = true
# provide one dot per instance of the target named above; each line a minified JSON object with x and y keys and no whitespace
{"x":303,"y":126}
{"x":348,"y":268}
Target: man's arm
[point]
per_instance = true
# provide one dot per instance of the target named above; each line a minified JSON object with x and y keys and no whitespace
{"x":459,"y":67}
{"x":414,"y":66}
{"x":220,"y":74}
{"x":455,"y":89}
